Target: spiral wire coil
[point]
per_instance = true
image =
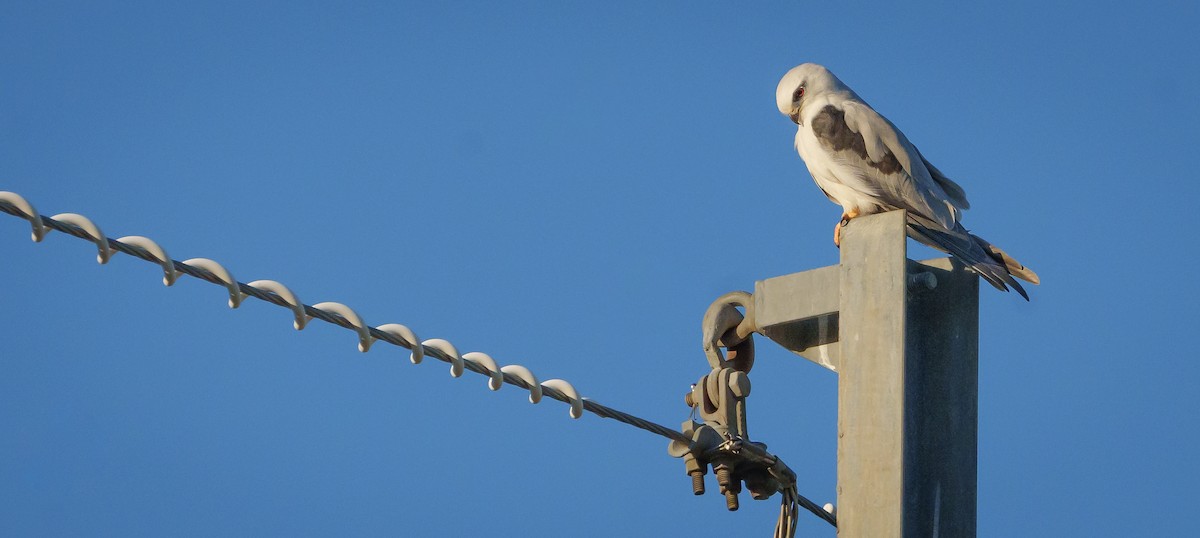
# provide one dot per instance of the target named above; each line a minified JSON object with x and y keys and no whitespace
{"x":343,"y":316}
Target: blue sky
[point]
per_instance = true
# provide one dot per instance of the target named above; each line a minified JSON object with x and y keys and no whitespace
{"x":565,"y":187}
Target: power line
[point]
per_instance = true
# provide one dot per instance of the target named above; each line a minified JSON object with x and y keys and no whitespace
{"x":340,"y":315}
{"x":343,"y":316}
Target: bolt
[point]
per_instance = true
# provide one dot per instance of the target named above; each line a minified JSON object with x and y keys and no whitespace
{"x":923,"y":281}
{"x":697,"y":482}
{"x":730,"y":486}
{"x":723,"y":477}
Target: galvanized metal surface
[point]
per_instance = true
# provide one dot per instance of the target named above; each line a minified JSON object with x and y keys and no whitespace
{"x":871,"y":381}
{"x":907,"y":389}
{"x":942,"y":402}
{"x":903,"y":338}
{"x":800,"y":312}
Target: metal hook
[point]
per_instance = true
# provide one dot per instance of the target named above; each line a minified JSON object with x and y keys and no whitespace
{"x":725,"y":326}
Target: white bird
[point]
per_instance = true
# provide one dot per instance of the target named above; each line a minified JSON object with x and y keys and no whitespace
{"x":866,"y":165}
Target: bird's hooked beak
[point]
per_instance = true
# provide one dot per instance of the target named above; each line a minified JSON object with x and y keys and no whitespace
{"x":795,"y":115}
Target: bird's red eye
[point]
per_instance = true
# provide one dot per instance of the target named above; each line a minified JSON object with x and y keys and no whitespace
{"x":798,"y":94}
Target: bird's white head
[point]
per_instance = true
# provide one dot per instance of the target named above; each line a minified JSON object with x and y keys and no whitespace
{"x":801,"y":85}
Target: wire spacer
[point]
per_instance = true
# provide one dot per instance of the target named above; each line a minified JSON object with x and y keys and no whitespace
{"x":301,"y":319}
{"x":30,"y":214}
{"x":222,"y":274}
{"x":364,"y":333}
{"x":158,"y":253}
{"x":408,"y":337}
{"x":568,"y":390}
{"x":448,"y":349}
{"x":523,"y":373}
{"x":103,"y":252}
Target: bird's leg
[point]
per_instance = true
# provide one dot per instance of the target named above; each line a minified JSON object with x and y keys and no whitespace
{"x":837,"y":230}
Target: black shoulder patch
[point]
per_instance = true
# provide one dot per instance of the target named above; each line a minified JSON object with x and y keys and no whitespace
{"x":830,"y":127}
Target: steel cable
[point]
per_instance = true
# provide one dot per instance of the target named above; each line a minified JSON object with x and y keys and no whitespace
{"x":78,"y":226}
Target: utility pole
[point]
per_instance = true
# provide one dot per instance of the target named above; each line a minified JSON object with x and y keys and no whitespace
{"x":903,"y":339}
{"x":902,"y":336}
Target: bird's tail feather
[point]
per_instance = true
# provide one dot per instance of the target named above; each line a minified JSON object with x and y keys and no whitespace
{"x":986,"y":260}
{"x":1014,"y":267}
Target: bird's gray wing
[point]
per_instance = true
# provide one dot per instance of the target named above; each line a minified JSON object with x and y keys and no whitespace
{"x":882,"y":155}
{"x":955,"y":192}
{"x":912,"y":186}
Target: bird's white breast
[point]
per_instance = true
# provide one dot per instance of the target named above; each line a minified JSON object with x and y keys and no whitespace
{"x":841,"y":182}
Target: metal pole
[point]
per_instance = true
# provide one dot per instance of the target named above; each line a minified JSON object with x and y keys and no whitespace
{"x":907,"y":388}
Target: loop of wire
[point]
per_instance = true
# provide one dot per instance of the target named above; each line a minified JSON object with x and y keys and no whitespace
{"x":364,"y":332}
{"x":103,"y":252}
{"x":289,"y":300}
{"x":449,"y":351}
{"x":523,"y":373}
{"x":488,"y":363}
{"x":235,"y":292}
{"x":564,"y":387}
{"x":409,"y":338}
{"x":22,"y":208}
{"x":156,"y":254}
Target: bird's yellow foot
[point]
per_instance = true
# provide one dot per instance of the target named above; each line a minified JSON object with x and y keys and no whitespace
{"x":837,"y":230}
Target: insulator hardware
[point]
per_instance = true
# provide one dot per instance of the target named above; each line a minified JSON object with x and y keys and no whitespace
{"x":719,"y":400}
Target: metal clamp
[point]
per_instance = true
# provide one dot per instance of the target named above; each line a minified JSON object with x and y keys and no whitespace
{"x":722,"y":441}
